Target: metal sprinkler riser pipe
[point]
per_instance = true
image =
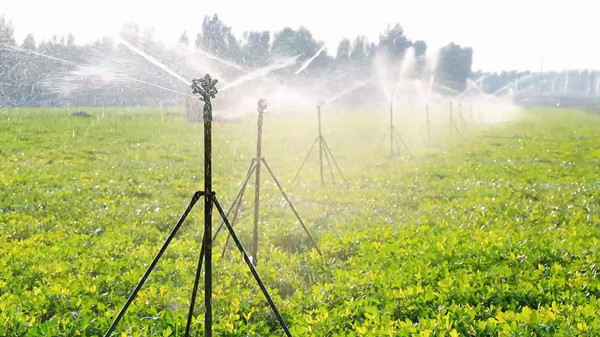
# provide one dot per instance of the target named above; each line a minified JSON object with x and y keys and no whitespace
{"x":261,"y":107}
{"x":206,"y":87}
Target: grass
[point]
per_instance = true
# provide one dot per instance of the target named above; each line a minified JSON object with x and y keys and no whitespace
{"x":493,"y":232}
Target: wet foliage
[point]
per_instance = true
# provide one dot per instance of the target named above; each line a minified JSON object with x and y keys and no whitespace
{"x":490,"y":233}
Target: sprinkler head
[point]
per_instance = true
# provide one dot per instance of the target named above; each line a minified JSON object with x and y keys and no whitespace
{"x":205,"y":86}
{"x":262,"y":105}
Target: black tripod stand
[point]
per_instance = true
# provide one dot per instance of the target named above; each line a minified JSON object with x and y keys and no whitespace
{"x":394,"y":133}
{"x":323,"y":149}
{"x":206,"y":88}
{"x":255,"y":168}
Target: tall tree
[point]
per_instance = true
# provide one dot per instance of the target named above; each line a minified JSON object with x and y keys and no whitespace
{"x":343,"y":50}
{"x":360,"y":49}
{"x":216,"y":38}
{"x":256,"y":49}
{"x":30,"y":73}
{"x":8,"y":81}
{"x":420,"y":58}
{"x":299,"y":43}
{"x":29,"y":42}
{"x":7,"y":32}
{"x":394,"y":42}
{"x":70,"y":40}
{"x":183,"y":39}
{"x":454,"y":66}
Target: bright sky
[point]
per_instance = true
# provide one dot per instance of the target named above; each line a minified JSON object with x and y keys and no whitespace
{"x":505,"y":35}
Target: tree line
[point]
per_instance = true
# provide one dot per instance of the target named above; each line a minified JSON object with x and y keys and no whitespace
{"x":29,"y":79}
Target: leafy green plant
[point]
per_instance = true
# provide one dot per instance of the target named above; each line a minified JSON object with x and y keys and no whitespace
{"x":493,"y":234}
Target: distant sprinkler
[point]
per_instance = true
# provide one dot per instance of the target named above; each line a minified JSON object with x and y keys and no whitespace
{"x":309,"y":61}
{"x":262,"y":106}
{"x":324,"y":150}
{"x":255,"y":168}
{"x":393,"y":133}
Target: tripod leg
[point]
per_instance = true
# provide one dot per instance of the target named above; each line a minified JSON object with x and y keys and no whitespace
{"x":235,"y":214}
{"x":335,"y":161}
{"x":329,"y":163}
{"x":312,"y":240}
{"x":321,"y":159}
{"x":306,"y":158}
{"x":252,"y":269}
{"x":381,"y":140}
{"x":238,"y":198}
{"x":457,"y":129}
{"x":403,"y":142}
{"x":194,"y":291}
{"x":137,"y":288}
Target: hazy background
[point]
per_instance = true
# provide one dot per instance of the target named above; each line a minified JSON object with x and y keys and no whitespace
{"x":131,"y":53}
{"x":505,"y":35}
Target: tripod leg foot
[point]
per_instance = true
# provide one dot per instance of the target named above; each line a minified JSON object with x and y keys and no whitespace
{"x":252,"y":269}
{"x":194,"y":291}
{"x":137,"y":288}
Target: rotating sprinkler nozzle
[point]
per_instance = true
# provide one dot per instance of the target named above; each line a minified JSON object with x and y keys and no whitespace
{"x":206,"y":87}
{"x":262,"y":105}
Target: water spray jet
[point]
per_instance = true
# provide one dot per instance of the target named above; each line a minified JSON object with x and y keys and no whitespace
{"x":309,"y":61}
{"x":84,"y":70}
{"x":260,"y":73}
{"x":152,"y":60}
{"x":32,"y":52}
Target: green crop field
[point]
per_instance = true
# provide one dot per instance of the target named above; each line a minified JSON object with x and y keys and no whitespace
{"x":494,"y":232}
